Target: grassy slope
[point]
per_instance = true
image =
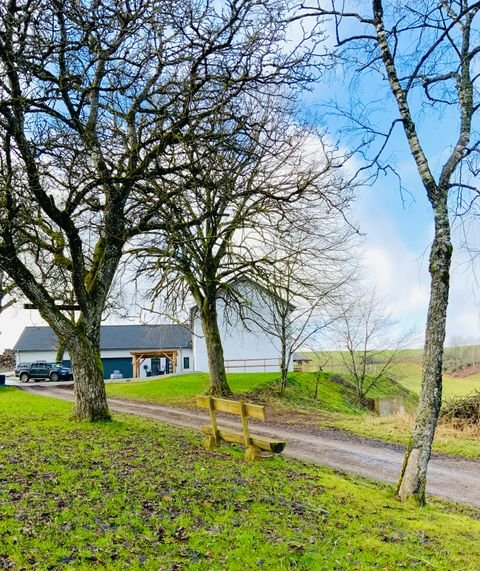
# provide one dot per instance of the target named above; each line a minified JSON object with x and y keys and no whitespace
{"x":139,"y":495}
{"x":181,"y":388}
{"x":398,"y":428}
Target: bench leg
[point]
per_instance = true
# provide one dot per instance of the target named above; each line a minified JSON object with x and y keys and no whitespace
{"x":209,"y":442}
{"x":252,"y":453}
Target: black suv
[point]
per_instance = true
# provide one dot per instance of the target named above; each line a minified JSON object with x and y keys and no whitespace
{"x":42,"y":370}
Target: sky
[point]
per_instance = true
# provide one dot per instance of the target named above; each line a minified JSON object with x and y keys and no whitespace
{"x":396,"y":218}
{"x":397,"y":226}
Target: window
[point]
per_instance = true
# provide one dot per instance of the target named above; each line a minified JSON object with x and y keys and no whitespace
{"x":186,"y":362}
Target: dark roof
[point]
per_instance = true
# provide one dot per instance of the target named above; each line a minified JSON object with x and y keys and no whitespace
{"x":301,"y":357}
{"x":128,"y":337}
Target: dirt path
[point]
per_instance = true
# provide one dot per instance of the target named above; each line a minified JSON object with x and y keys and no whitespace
{"x":450,"y":478}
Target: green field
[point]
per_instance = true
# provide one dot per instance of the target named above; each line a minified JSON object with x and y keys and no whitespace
{"x":410,"y":375}
{"x":408,"y":371}
{"x":174,"y":389}
{"x":181,"y":389}
{"x":135,"y":494}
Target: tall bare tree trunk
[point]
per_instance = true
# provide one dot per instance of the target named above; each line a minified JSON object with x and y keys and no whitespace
{"x":216,"y":363}
{"x":283,"y":368}
{"x":283,"y":347}
{"x":412,"y":481}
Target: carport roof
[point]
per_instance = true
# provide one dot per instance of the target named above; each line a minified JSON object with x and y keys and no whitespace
{"x":129,"y":337}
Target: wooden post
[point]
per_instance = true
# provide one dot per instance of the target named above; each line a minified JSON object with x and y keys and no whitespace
{"x":246,"y":432}
{"x":211,"y":406}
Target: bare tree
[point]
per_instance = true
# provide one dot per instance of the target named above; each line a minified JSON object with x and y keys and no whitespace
{"x":427,"y":52}
{"x":363,"y":334}
{"x":94,"y":97}
{"x":245,"y":185}
{"x":6,"y":291}
{"x":304,"y":280}
{"x":321,"y":359}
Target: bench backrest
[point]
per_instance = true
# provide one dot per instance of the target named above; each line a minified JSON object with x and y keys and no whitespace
{"x":243,"y":409}
{"x":233,"y":407}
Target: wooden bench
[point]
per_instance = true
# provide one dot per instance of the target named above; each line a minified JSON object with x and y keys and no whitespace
{"x":215,"y":434}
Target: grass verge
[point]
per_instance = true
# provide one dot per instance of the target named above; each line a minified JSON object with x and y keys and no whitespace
{"x":180,"y":389}
{"x":448,"y":440}
{"x":134,"y":494}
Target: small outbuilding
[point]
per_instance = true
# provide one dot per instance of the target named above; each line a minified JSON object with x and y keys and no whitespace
{"x":301,"y":362}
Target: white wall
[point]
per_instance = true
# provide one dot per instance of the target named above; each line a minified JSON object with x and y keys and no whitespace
{"x":30,"y":356}
{"x":240,"y":343}
{"x":184,"y":352}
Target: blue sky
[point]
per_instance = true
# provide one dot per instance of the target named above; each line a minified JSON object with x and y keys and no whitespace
{"x":397,"y":236}
{"x":398,"y":225}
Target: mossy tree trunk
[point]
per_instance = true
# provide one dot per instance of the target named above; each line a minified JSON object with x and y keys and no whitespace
{"x":89,"y":386}
{"x":213,"y":341}
{"x":412,"y":481}
{"x":60,"y":352}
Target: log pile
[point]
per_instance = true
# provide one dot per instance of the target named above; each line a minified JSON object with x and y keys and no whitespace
{"x":7,"y":360}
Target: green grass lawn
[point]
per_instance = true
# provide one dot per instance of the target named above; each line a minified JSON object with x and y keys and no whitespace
{"x":409,"y":374}
{"x":135,"y":494}
{"x":182,"y":388}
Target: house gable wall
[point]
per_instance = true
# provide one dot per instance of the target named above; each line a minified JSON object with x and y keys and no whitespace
{"x":246,"y":346}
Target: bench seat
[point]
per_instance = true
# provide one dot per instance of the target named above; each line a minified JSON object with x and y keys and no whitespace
{"x":262,"y":442}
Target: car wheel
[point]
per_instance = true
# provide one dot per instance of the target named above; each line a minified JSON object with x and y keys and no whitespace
{"x":24,"y":378}
{"x":54,"y":377}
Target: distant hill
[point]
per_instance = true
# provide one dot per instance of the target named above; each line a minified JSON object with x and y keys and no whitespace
{"x":461,"y":368}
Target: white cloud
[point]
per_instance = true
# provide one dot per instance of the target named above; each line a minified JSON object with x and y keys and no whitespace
{"x":396,"y":274}
{"x":12,"y":323}
{"x":419,"y":297}
{"x":379,"y":266}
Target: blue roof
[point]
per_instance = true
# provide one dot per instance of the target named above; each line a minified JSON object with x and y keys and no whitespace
{"x":129,"y":337}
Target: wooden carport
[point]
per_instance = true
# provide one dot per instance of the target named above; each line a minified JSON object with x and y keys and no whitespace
{"x":138,"y":357}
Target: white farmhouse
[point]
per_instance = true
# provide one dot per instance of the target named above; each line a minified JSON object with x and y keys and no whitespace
{"x":246,"y":328}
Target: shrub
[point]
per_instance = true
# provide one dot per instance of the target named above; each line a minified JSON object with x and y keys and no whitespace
{"x":462,"y":410}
